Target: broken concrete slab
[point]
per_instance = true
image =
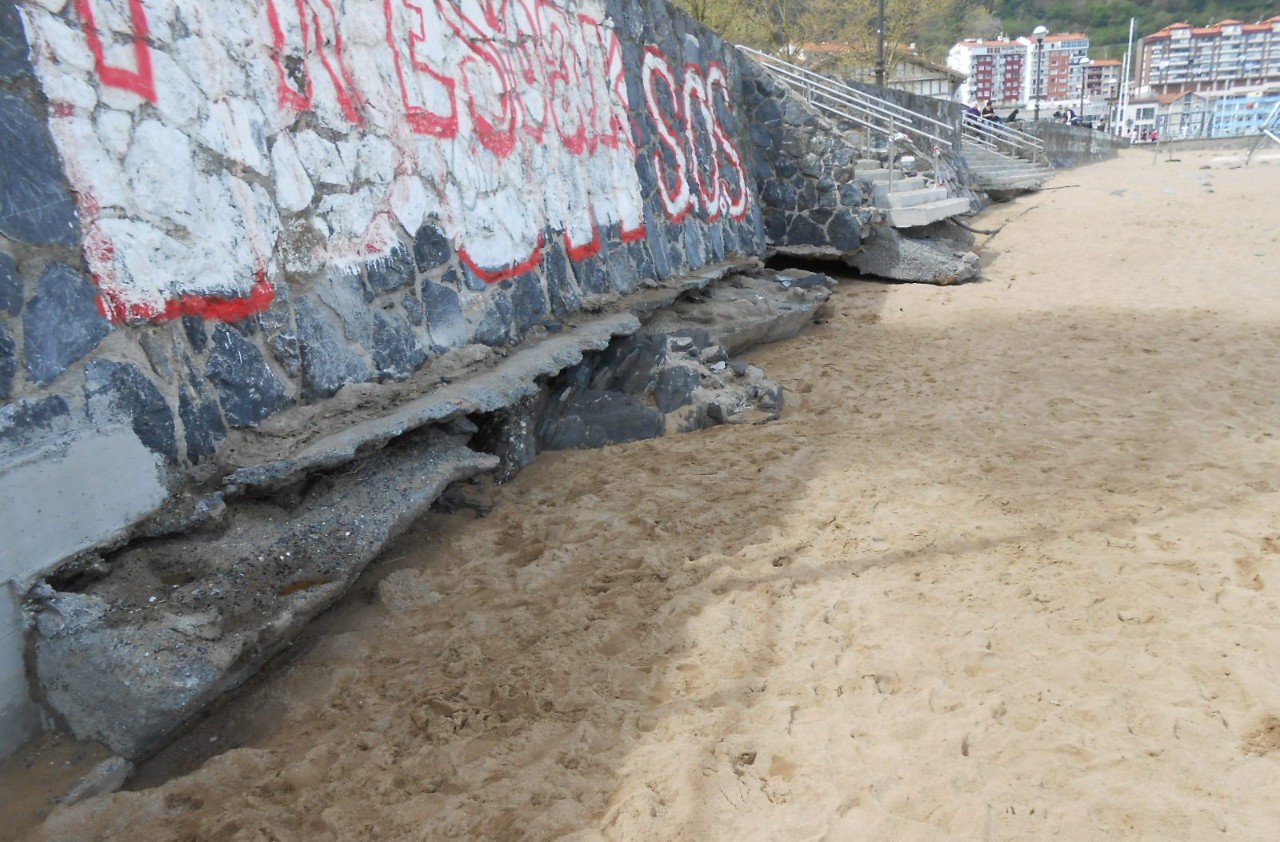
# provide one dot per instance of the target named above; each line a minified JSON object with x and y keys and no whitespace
{"x":176,"y":623}
{"x":932,"y":254}
{"x":750,"y":309}
{"x":129,"y":647}
{"x":511,"y":380}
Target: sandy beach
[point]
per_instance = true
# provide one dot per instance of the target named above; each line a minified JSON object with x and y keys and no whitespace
{"x":1007,"y":568}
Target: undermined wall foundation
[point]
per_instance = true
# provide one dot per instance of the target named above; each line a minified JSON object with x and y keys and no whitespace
{"x":274,"y":275}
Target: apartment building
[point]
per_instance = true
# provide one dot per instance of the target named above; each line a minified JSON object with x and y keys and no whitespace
{"x":1022,"y":71}
{"x":994,"y":70}
{"x":1102,"y":79}
{"x":1061,"y":66}
{"x":1235,"y":113}
{"x":1230,"y":54}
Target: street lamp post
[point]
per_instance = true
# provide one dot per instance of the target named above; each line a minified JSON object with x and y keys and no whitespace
{"x":1039,"y":32}
{"x":1085,"y":63}
{"x":1082,"y":62}
{"x":880,"y":48}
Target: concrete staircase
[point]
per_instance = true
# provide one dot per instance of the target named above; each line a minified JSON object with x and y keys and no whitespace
{"x":907,"y":201}
{"x":996,"y":172}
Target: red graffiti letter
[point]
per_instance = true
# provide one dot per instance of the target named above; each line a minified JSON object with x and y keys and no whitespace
{"x":315,"y":38}
{"x":674,"y":192}
{"x":737,"y":204}
{"x":421,"y":119}
{"x":140,"y":80}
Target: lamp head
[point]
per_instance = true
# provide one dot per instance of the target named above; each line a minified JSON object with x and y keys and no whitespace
{"x":1039,"y":32}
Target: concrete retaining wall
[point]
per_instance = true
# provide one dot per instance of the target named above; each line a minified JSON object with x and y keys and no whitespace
{"x":1072,"y":146}
{"x":804,"y":170}
{"x":215,"y":214}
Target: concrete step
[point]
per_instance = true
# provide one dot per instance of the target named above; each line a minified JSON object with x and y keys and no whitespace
{"x":1010,"y":168}
{"x":1010,"y":171}
{"x":925,"y":214}
{"x":876,"y":178}
{"x":910,"y":198}
{"x":982,"y":175}
{"x":901,"y":184}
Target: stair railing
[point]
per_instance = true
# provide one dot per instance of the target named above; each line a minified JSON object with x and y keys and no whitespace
{"x":837,"y":99}
{"x":998,"y":137}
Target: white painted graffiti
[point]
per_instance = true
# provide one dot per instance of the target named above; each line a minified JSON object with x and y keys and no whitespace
{"x":500,"y":121}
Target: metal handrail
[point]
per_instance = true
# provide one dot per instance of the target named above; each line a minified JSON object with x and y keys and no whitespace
{"x":992,"y":135}
{"x":870,"y":108}
{"x":1268,"y":131}
{"x":849,"y":90}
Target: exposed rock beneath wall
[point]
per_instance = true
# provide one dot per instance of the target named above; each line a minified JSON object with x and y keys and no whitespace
{"x":933,"y":254}
{"x":175,"y":623}
{"x":674,"y":375}
{"x":749,"y":309}
{"x":130,"y":646}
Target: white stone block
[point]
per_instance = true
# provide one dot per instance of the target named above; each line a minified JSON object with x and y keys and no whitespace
{"x":234,"y":129}
{"x":162,"y":174}
{"x":115,"y":131}
{"x":54,"y":43}
{"x":293,"y":189}
{"x":321,"y":159}
{"x":177,"y":97}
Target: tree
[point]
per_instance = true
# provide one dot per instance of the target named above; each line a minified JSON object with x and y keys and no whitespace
{"x":783,"y":26}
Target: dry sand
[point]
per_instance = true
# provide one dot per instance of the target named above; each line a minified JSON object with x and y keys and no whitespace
{"x":1006,"y":569}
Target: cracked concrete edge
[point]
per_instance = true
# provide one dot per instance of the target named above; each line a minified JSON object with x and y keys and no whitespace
{"x":131,"y":685}
{"x":512,"y":379}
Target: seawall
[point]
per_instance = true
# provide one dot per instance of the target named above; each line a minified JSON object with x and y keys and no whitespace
{"x":245,"y":246}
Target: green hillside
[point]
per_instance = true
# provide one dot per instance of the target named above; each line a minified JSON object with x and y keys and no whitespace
{"x":1107,"y":21}
{"x":934,"y":25}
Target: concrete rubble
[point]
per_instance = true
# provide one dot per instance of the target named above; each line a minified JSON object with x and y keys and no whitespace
{"x":131,"y":645}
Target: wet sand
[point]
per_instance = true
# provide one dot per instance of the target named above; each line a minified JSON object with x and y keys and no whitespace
{"x":1007,"y":568}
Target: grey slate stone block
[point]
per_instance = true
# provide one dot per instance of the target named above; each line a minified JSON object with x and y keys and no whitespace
{"x":391,"y":272}
{"x":693,"y":244}
{"x":844,"y":232}
{"x":495,"y":328}
{"x":8,"y":363}
{"x":561,"y":291}
{"x":445,"y":321}
{"x":196,"y":334}
{"x":10,"y":286}
{"x":247,"y":388}
{"x":431,"y":248}
{"x":396,"y":350}
{"x":328,"y":362}
{"x":13,"y":43}
{"x":412,"y":308}
{"x":201,"y":425}
{"x":592,"y":275}
{"x":37,"y":205}
{"x":26,"y":421}
{"x":675,"y":387}
{"x":61,"y":324}
{"x":778,"y":193}
{"x":775,"y":224}
{"x":119,"y":391}
{"x":528,"y":301}
{"x":803,"y":232}
{"x":278,"y":326}
{"x":595,"y":419}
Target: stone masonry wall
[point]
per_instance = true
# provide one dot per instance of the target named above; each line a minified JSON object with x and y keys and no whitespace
{"x":804,"y":173}
{"x":213,"y":212}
